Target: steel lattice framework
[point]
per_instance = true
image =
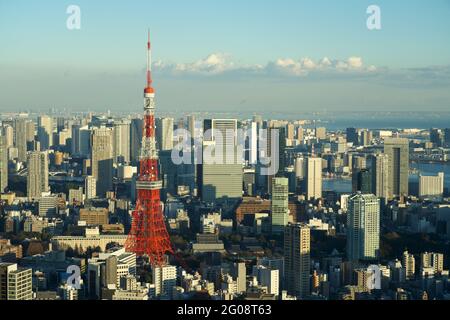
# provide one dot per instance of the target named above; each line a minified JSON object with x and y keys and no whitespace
{"x":148,"y":235}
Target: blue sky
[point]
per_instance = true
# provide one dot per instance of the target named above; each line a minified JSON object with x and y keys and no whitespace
{"x":212,"y":55}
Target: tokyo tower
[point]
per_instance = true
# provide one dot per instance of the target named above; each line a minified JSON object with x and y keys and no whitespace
{"x":148,"y":235}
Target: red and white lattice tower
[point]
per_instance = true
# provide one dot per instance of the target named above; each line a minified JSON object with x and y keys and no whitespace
{"x":148,"y":235}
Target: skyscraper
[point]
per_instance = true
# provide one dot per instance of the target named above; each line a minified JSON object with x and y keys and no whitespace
{"x":397,"y":150}
{"x":280,"y":204}
{"x":165,"y":281}
{"x":436,"y":137}
{"x":122,"y":141}
{"x":314,"y":178}
{"x":90,"y":187}
{"x":20,"y":138}
{"x":362,"y":181}
{"x":102,"y":159}
{"x":164,"y":133}
{"x":136,"y":139}
{"x":447,"y":138}
{"x":321,"y":133}
{"x":409,"y":263}
{"x":222,"y":174}
{"x":379,"y":167}
{"x":8,"y":133}
{"x":81,"y":141}
{"x":431,"y":186}
{"x":353,"y":136}
{"x":363,"y":227}
{"x":15,"y":283}
{"x":297,"y":249}
{"x":37,"y":178}
{"x":45,"y":132}
{"x":3,"y":164}
{"x":191,"y":125}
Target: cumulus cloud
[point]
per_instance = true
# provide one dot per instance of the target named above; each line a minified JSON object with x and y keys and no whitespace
{"x":220,"y":64}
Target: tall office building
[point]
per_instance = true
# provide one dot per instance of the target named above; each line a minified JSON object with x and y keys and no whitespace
{"x":321,"y":133}
{"x":122,"y":141}
{"x":300,"y":135}
{"x":37,"y":178}
{"x":314,"y":178}
{"x":15,"y":283}
{"x":297,"y":249}
{"x":221,"y":179}
{"x":165,"y":281}
{"x":90,"y":187}
{"x":3,"y":164}
{"x":280,"y":204}
{"x":436,"y":137}
{"x":102,"y":159}
{"x":431,"y":186}
{"x":363,"y":227}
{"x":432,"y":260}
{"x":409,"y":263}
{"x":290,"y":135}
{"x":365,"y":138}
{"x":164,"y":133}
{"x":8,"y":133}
{"x":353,"y":136}
{"x":379,"y":167}
{"x":269,"y":278}
{"x":136,"y":139}
{"x":397,"y":150}
{"x":447,"y":138}
{"x":45,"y":132}
{"x":362,"y":181}
{"x":191,"y":125}
{"x":20,"y":138}
{"x":81,"y":141}
{"x":240,"y":274}
{"x":30,"y":135}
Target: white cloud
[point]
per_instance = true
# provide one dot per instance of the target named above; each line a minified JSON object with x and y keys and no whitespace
{"x":220,"y":63}
{"x":355,"y":62}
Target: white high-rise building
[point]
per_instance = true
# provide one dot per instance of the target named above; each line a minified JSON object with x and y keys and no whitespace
{"x":300,"y":167}
{"x":3,"y":164}
{"x":363,"y":227}
{"x":409,"y":263}
{"x":165,"y":281}
{"x":314,"y":178}
{"x":20,"y":138}
{"x":90,"y":187}
{"x":15,"y":283}
{"x":45,"y":132}
{"x":164,"y":133}
{"x":37,"y":178}
{"x":269,"y":278}
{"x":8,"y":133}
{"x":431,"y":186}
{"x":122,"y":141}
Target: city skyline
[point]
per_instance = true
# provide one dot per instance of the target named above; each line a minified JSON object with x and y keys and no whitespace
{"x":106,"y":193}
{"x":276,"y":59}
